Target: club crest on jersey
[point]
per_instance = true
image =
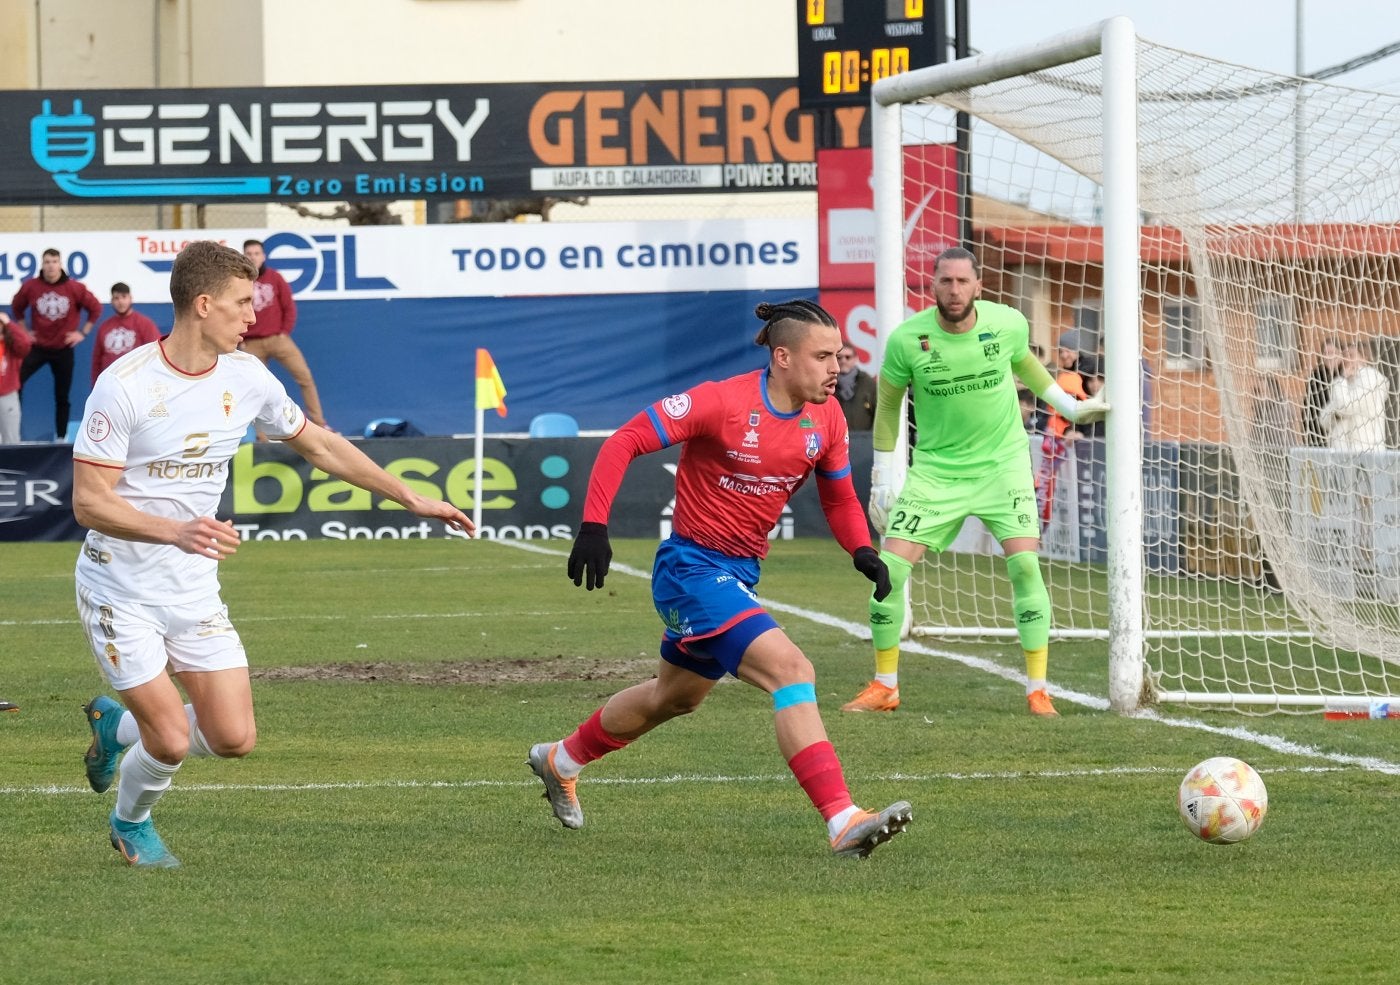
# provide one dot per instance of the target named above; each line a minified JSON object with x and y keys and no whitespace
{"x":923,"y":343}
{"x":754,"y":418}
{"x":228,"y":403}
{"x":814,"y":445}
{"x":991,"y":349}
{"x":676,"y":406}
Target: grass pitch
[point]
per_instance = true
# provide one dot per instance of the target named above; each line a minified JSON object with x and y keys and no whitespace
{"x":386,"y":828}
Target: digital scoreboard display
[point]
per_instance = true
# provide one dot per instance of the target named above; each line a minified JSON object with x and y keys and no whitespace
{"x":845,"y":46}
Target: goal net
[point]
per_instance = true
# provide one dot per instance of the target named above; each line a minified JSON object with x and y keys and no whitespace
{"x":1260,"y":502}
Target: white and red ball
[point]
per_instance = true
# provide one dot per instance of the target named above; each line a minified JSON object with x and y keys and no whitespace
{"x":1222,"y":800}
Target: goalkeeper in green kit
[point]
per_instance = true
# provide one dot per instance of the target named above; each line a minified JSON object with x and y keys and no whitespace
{"x":971,"y":458}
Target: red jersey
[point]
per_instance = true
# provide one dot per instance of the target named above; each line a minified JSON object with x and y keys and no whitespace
{"x":56,"y":308}
{"x":14,"y":346}
{"x":273,"y":305}
{"x":741,"y":463}
{"x":118,"y":335}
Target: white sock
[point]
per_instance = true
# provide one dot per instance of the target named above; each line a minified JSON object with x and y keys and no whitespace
{"x":143,"y":780}
{"x":1036,"y":684}
{"x":889,"y":680}
{"x":127,"y":729}
{"x":564,"y":764}
{"x":839,"y":821}
{"x":199,"y":745}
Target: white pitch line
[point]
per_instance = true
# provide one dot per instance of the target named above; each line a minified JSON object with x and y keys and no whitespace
{"x":1274,"y":743}
{"x":669,"y":780}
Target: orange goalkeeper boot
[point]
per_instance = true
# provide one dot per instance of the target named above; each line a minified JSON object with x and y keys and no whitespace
{"x":875,"y":697}
{"x":1040,"y":704}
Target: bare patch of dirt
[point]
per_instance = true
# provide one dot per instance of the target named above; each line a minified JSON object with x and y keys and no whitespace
{"x":468,"y":672}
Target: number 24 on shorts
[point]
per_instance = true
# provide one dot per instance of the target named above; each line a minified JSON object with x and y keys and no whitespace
{"x":903,"y":521}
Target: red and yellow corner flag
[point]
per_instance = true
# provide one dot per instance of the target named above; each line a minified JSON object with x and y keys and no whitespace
{"x":490,"y":391}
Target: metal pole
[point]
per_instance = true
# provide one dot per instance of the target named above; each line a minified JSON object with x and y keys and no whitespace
{"x":1123,"y":369}
{"x":964,"y":125}
{"x":1299,"y":128}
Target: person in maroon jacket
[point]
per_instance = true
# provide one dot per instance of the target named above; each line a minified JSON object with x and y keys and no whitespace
{"x":271,"y":335}
{"x":57,"y":301}
{"x":14,"y":346}
{"x":121,"y":333}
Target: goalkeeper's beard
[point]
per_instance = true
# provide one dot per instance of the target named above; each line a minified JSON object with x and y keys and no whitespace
{"x":947,"y":315}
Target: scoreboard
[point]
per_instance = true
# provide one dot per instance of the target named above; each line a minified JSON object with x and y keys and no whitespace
{"x":845,"y":46}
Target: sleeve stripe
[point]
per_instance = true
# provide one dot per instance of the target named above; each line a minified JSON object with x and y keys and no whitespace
{"x":660,"y":428}
{"x":101,"y":463}
{"x":841,"y":474}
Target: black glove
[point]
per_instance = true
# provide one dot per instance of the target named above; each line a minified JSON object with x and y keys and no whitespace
{"x":592,"y":554}
{"x":867,"y":561}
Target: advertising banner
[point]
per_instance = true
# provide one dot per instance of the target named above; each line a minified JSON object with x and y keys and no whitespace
{"x":389,"y":317}
{"x":510,"y":259}
{"x":846,"y":213}
{"x":531,"y":489}
{"x":449,"y":141}
{"x":1346,"y":510}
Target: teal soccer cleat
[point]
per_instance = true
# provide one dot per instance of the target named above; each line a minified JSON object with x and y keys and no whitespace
{"x":100,"y":760}
{"x":139,"y":844}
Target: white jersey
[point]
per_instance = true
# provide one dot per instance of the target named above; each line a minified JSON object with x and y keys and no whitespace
{"x":172,"y":434}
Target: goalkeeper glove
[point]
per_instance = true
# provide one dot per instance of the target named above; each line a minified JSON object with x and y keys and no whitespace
{"x":591,"y":555}
{"x":1075,"y":411}
{"x":882,"y":493}
{"x":1090,"y":410}
{"x":869,"y":563}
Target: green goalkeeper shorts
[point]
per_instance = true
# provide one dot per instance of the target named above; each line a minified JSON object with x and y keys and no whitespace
{"x":931,"y":511}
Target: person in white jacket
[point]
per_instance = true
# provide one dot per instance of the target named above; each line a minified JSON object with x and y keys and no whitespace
{"x":1354,"y":416}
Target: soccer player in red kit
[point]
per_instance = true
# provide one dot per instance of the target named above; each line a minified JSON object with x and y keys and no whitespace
{"x":749,"y":443}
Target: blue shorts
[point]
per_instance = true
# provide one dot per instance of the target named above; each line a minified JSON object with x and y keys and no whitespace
{"x":707,"y":602}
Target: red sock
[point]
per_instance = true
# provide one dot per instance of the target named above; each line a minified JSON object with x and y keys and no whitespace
{"x":590,"y":741}
{"x":819,"y":772}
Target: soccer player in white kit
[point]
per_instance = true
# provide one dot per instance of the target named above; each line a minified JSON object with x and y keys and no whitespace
{"x":149,"y":466}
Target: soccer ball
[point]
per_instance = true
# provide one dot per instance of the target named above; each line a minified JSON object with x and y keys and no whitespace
{"x":1222,"y":800}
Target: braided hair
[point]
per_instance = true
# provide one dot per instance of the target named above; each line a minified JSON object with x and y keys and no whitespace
{"x":786,"y":322}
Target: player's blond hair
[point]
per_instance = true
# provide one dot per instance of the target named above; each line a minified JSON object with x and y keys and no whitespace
{"x":204,"y":267}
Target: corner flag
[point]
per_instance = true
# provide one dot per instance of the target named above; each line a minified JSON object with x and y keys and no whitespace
{"x":490,"y":391}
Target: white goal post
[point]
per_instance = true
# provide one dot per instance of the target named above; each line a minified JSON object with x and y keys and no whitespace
{"x":1193,"y":231}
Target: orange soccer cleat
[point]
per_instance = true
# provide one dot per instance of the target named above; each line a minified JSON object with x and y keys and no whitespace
{"x":875,"y":697}
{"x":558,"y":790}
{"x":1040,"y":704}
{"x":866,"y":831}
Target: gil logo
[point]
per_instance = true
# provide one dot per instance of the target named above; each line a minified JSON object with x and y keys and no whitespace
{"x":319,"y":262}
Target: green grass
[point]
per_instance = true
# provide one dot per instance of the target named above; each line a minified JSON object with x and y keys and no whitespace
{"x":387,"y":830}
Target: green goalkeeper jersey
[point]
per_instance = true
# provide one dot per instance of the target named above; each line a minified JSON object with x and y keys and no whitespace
{"x":965,"y":408}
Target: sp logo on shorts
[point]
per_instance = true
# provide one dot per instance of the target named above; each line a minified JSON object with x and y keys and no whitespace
{"x":676,"y":406}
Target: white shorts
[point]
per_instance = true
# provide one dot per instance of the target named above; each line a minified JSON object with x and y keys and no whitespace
{"x":133,"y":642}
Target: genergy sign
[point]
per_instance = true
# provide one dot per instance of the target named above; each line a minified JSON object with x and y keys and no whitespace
{"x":699,"y":136}
{"x":489,"y":140}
